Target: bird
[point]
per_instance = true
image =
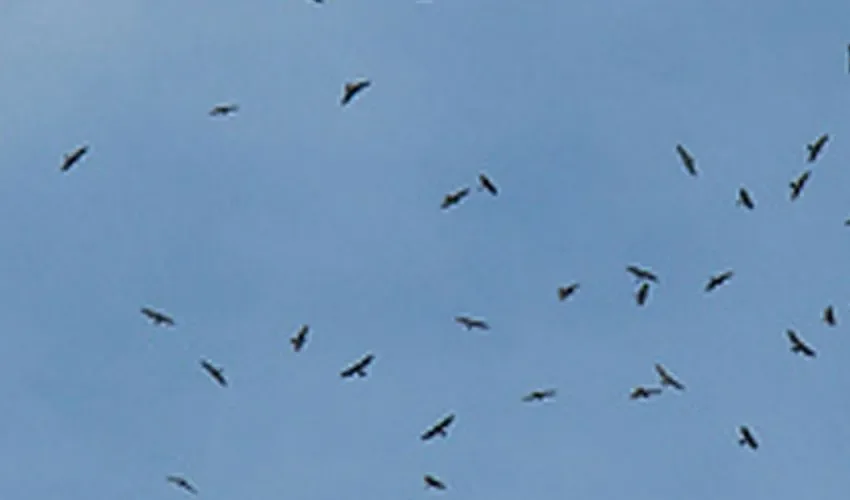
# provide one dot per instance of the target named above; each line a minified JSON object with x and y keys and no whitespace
{"x":454,"y":198}
{"x":183,"y":483}
{"x":539,"y":395}
{"x":439,"y":429}
{"x":157,"y":318}
{"x":300,"y":338}
{"x":798,"y":184}
{"x":829,"y":316}
{"x":471,"y":323}
{"x":433,"y":482}
{"x":224,"y":109}
{"x":744,"y":199}
{"x":747,"y":438}
{"x":815,"y":148}
{"x":687,"y":159}
{"x":717,"y":280}
{"x":351,"y":89}
{"x":799,"y":346}
{"x":70,"y":159}
{"x":667,"y":379}
{"x":641,"y":392}
{"x":486,"y":183}
{"x":642,"y":274}
{"x":642,"y":294}
{"x":358,"y":368}
{"x":215,"y":372}
{"x":565,"y":291}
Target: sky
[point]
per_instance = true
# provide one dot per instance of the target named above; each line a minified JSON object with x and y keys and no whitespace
{"x":299,"y":211}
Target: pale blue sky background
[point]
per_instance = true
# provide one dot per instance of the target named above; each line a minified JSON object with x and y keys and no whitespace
{"x":299,"y":211}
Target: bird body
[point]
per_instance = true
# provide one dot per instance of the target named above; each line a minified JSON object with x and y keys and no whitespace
{"x":642,"y":274}
{"x":687,"y":160}
{"x":72,"y":158}
{"x":816,"y":147}
{"x":351,"y":89}
{"x":224,"y":109}
{"x":454,"y":198}
{"x":539,"y":395}
{"x":798,"y":346}
{"x":641,"y":392}
{"x":642,"y":294}
{"x":829,"y":316}
{"x":747,"y":438}
{"x":667,"y":379}
{"x":798,"y":184}
{"x":183,"y":483}
{"x":215,"y":372}
{"x":300,"y":338}
{"x":717,"y":280}
{"x":487,"y":184}
{"x":745,"y":200}
{"x":157,"y":317}
{"x":439,"y":429}
{"x":359,"y":367}
{"x":565,"y":292}
{"x":433,"y":482}
{"x":471,"y":323}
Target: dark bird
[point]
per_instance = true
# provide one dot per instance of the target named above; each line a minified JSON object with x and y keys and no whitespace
{"x":642,"y":274}
{"x":433,"y":482}
{"x":224,"y":109}
{"x":454,"y":198}
{"x":471,"y":323}
{"x":642,"y":294}
{"x":215,"y":372}
{"x":359,"y":367}
{"x":829,"y":316}
{"x":565,"y":291}
{"x":486,"y":183}
{"x":799,"y":346}
{"x":798,"y":184}
{"x":744,"y":199}
{"x":300,"y":338}
{"x":157,"y":318}
{"x":439,"y":429}
{"x":816,"y":147}
{"x":351,"y":89}
{"x":641,"y":392}
{"x":539,"y":395}
{"x":687,"y":159}
{"x":181,"y":482}
{"x":72,"y":158}
{"x":667,"y":379}
{"x":747,"y":438}
{"x":717,"y":280}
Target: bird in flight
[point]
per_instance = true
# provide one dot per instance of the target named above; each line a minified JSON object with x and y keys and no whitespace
{"x":717,"y":280}
{"x":747,"y":438}
{"x":798,"y":184}
{"x":687,"y":159}
{"x":358,"y":368}
{"x":486,"y":183}
{"x":351,"y":89}
{"x":565,"y":291}
{"x":157,"y":318}
{"x":454,"y":198}
{"x":829,"y":316}
{"x":642,"y":293}
{"x":799,"y":346}
{"x":215,"y":372}
{"x":300,"y":338}
{"x":183,"y":483}
{"x":433,"y":482}
{"x":744,"y":199}
{"x":667,"y":379}
{"x":224,"y":109}
{"x":539,"y":395}
{"x":70,"y":159}
{"x":642,"y":274}
{"x":815,"y":148}
{"x":439,"y":429}
{"x":641,"y":392}
{"x":471,"y":323}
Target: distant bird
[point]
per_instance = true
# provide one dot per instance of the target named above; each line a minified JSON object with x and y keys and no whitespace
{"x":799,"y":346}
{"x":642,"y":294}
{"x":433,"y":482}
{"x":847,"y":222}
{"x":539,"y":395}
{"x":439,"y":429}
{"x":641,"y":392}
{"x":565,"y":291}
{"x":747,"y":438}
{"x":358,"y":368}
{"x":829,"y":316}
{"x":471,"y":323}
{"x":687,"y":160}
{"x":224,"y":109}
{"x":667,"y":379}
{"x":744,"y":199}
{"x":798,"y":184}
{"x":351,"y":89}
{"x":157,"y":318}
{"x":717,"y":280}
{"x":183,"y":483}
{"x":815,"y":148}
{"x":486,"y":183}
{"x":70,"y":159}
{"x":642,"y":274}
{"x":215,"y":372}
{"x":300,"y":338}
{"x":454,"y":198}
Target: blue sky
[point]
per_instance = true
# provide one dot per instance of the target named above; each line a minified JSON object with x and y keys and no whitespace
{"x":298,"y":211}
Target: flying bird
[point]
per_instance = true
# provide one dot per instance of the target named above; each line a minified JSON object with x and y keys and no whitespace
{"x":798,"y":184}
{"x":744,"y":199}
{"x":642,"y":294}
{"x":642,"y":274}
{"x":687,"y":159}
{"x":454,"y":198}
{"x":70,"y":159}
{"x":747,"y":438}
{"x":433,"y":482}
{"x":358,"y":368}
{"x":565,"y":291}
{"x":641,"y":392}
{"x":815,"y":148}
{"x":300,"y":338}
{"x":799,"y":346}
{"x":439,"y":429}
{"x":215,"y":372}
{"x":157,"y":318}
{"x":486,"y":183}
{"x":351,"y":89}
{"x":539,"y":395}
{"x":471,"y":323}
{"x":183,"y":483}
{"x":717,"y":280}
{"x":224,"y":109}
{"x":667,"y":379}
{"x":829,"y":316}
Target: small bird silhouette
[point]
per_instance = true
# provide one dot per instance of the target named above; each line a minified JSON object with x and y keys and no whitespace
{"x":471,"y":323}
{"x":486,"y":183}
{"x":744,"y":199}
{"x":642,"y":294}
{"x":641,"y":392}
{"x":687,"y":160}
{"x":433,"y":482}
{"x":717,"y":280}
{"x":747,"y":438}
{"x":351,"y":89}
{"x":642,"y":274}
{"x":667,"y":379}
{"x":798,"y":184}
{"x":300,"y":338}
{"x":358,"y":368}
{"x":816,"y":147}
{"x":158,"y":318}
{"x":72,"y":158}
{"x":439,"y":429}
{"x":799,"y":346}
{"x":829,"y":316}
{"x":539,"y":395}
{"x":183,"y":483}
{"x":224,"y":109}
{"x":215,"y":372}
{"x":565,"y":292}
{"x":454,"y":198}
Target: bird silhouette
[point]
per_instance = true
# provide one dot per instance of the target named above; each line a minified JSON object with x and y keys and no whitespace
{"x":351,"y":89}
{"x":798,"y":346}
{"x":182,"y":483}
{"x":539,"y":395}
{"x":829,"y":316}
{"x":565,"y":292}
{"x":747,"y":438}
{"x":471,"y":323}
{"x":816,"y":147}
{"x":798,"y":184}
{"x":717,"y":280}
{"x":215,"y":372}
{"x":433,"y":482}
{"x":641,"y":392}
{"x":439,"y":429}
{"x":224,"y":109}
{"x":454,"y":198}
{"x":70,"y":159}
{"x":300,"y":338}
{"x":158,"y":318}
{"x":744,"y":199}
{"x":486,"y":184}
{"x":667,"y":379}
{"x":642,"y":294}
{"x":359,"y":367}
{"x":642,"y":274}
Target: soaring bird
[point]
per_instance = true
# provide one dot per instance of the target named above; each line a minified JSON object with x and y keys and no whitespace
{"x":829,"y":316}
{"x":300,"y":338}
{"x":642,"y":274}
{"x":799,"y":346}
{"x":72,"y":158}
{"x":667,"y":379}
{"x":797,"y":184}
{"x":641,"y":392}
{"x":158,"y":318}
{"x":183,"y":483}
{"x":454,"y":198}
{"x":539,"y":395}
{"x":433,"y":482}
{"x":687,"y":160}
{"x":358,"y":368}
{"x":486,"y":183}
{"x":565,"y":291}
{"x":815,"y":148}
{"x":744,"y":199}
{"x":717,"y":280}
{"x":747,"y":438}
{"x":224,"y":109}
{"x":471,"y":323}
{"x":642,"y":293}
{"x":215,"y":372}
{"x":351,"y":89}
{"x":439,"y":429}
